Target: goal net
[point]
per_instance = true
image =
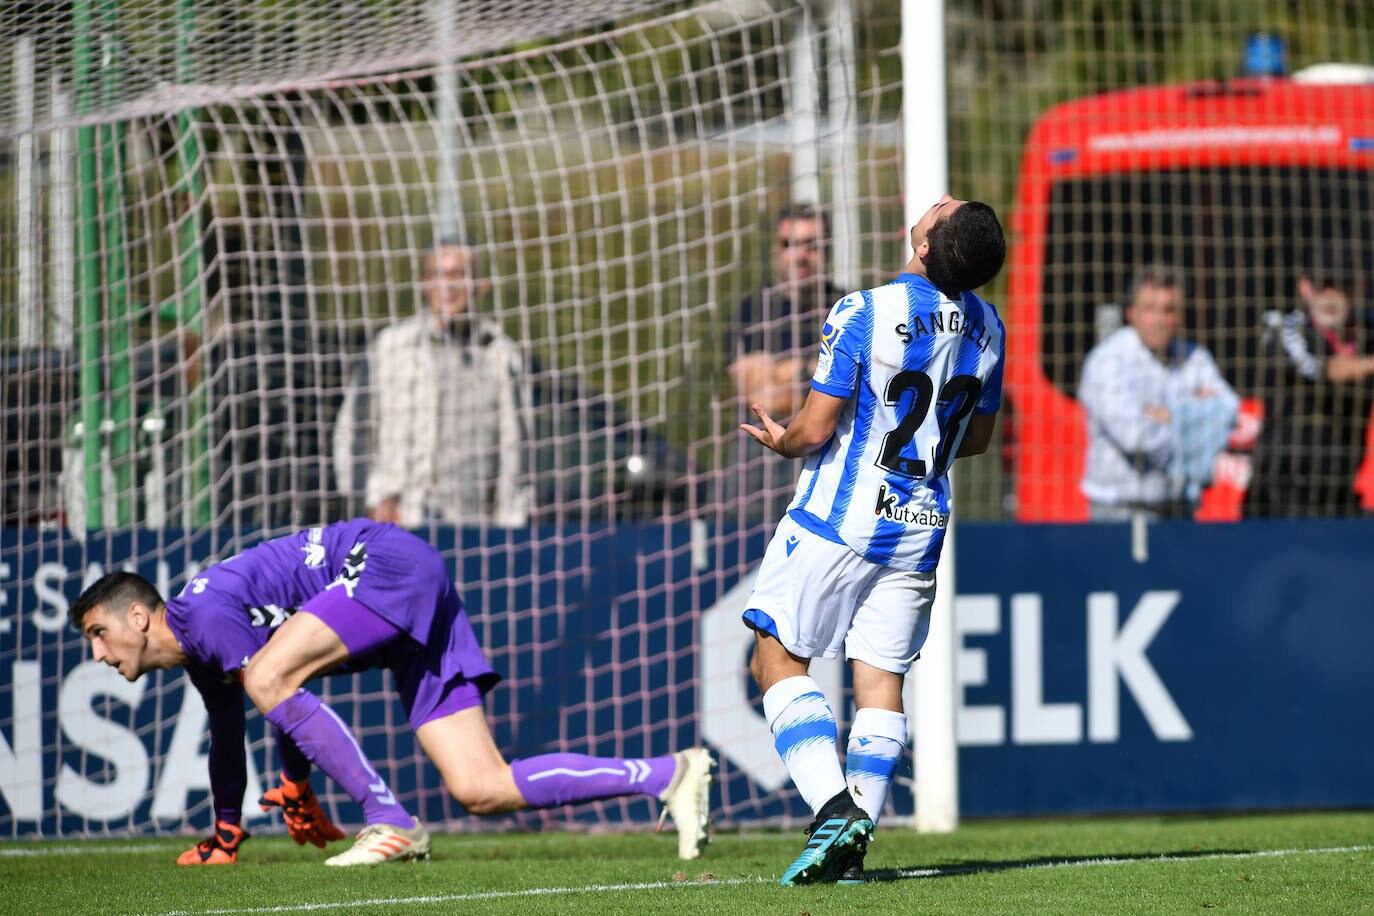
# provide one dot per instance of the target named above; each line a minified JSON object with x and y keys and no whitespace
{"x":212,"y":213}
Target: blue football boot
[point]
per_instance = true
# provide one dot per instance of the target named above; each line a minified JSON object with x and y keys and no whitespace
{"x":838,"y":832}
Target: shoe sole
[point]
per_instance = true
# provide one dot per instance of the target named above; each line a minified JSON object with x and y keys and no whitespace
{"x":399,"y":857}
{"x":418,"y":850}
{"x":855,"y":836}
{"x":701,"y":772}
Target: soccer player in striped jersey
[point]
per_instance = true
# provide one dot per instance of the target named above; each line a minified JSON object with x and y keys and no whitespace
{"x":353,"y":595}
{"x":909,"y":377}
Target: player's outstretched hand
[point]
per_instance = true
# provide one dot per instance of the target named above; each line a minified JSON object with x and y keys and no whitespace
{"x":222,"y":848}
{"x":305,"y":819}
{"x":768,"y":432}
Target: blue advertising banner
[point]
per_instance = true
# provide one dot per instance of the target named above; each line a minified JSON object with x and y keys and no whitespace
{"x":1227,"y":668}
{"x":562,"y":618}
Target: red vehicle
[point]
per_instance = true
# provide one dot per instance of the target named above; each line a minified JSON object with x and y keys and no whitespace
{"x":1226,"y":181}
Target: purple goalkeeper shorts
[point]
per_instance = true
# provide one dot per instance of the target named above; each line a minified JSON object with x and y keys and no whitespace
{"x":446,"y":672}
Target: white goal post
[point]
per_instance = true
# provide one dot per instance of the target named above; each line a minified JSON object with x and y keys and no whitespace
{"x":223,"y":204}
{"x":930,"y":688}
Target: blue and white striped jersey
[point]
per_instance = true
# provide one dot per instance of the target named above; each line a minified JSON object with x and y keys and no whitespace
{"x":914,"y":365}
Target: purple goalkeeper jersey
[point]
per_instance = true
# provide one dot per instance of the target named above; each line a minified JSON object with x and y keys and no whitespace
{"x":227,"y":613}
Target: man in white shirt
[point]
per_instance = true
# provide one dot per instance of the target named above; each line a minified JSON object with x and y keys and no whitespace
{"x":449,"y":403}
{"x":1157,"y":407}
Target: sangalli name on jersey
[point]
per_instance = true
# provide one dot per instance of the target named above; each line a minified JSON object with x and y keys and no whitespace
{"x":941,"y":323}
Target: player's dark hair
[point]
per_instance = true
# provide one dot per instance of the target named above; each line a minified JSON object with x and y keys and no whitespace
{"x":967,"y":249}
{"x":116,"y":590}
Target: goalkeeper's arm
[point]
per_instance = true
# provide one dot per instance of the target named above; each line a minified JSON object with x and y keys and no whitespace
{"x":228,"y":771}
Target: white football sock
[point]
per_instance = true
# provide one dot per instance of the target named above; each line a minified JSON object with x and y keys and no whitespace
{"x":876,"y":740}
{"x":804,"y":732}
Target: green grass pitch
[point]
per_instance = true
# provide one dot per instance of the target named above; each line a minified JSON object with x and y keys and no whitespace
{"x":1274,"y":863}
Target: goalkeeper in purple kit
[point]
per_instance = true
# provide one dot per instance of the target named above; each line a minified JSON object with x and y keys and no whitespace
{"x":347,"y":597}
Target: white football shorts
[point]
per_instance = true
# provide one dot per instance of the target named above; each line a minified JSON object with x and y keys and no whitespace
{"x":815,"y":595}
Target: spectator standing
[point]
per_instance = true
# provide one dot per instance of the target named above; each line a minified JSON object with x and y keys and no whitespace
{"x":1318,"y":384}
{"x":772,"y":359}
{"x":1157,"y":407}
{"x":448,"y":397}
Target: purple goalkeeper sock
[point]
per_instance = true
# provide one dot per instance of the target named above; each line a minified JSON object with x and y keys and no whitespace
{"x":563,"y":779}
{"x":327,"y":742}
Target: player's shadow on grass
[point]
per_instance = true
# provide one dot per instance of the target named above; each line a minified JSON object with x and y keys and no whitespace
{"x":974,"y":868}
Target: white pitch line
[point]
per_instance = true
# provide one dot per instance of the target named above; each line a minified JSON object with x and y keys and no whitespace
{"x":1083,"y":863}
{"x":82,"y":850}
{"x":481,"y":895}
{"x":659,"y":885}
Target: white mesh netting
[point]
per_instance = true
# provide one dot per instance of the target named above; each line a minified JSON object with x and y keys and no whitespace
{"x":250,"y":199}
{"x":210,"y":211}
